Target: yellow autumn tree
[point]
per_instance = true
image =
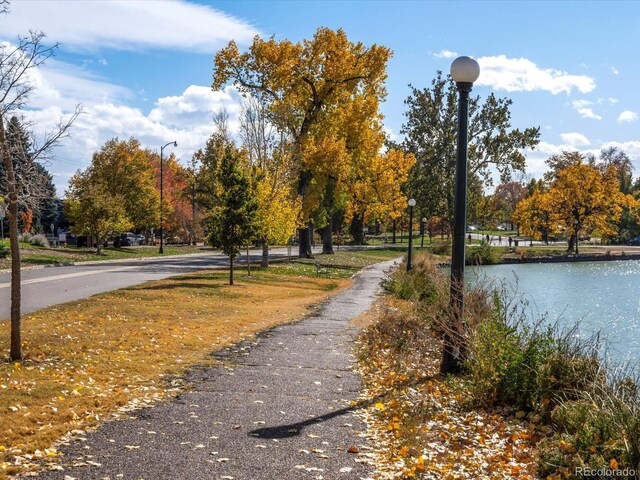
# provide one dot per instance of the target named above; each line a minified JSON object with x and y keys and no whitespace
{"x":278,"y":212}
{"x":303,"y":85}
{"x":377,"y":193}
{"x":584,"y":199}
{"x":535,"y":216}
{"x":358,"y":127}
{"x":581,"y":199}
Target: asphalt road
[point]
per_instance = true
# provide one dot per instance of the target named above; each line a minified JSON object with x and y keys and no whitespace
{"x":43,"y":287}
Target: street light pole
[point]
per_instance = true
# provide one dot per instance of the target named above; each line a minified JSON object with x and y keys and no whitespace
{"x":464,"y":71}
{"x":175,"y":144}
{"x":412,"y":203}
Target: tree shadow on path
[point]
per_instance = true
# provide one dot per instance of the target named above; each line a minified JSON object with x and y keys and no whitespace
{"x":295,"y":429}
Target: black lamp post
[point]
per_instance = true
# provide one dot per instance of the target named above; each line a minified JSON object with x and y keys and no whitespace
{"x":424,"y":227}
{"x":175,"y":144}
{"x":412,"y":203}
{"x":464,"y":71}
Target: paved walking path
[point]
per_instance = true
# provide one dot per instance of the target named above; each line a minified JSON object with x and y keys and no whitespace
{"x":277,"y":409}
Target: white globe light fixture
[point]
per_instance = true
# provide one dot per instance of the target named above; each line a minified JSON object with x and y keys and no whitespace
{"x":465,"y":70}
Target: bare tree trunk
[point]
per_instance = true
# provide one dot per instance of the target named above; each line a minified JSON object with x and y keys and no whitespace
{"x":393,"y":231}
{"x":265,"y":253}
{"x":248,"y":262}
{"x":357,"y":229}
{"x":327,"y":238}
{"x":16,"y":339}
{"x":230,"y":269}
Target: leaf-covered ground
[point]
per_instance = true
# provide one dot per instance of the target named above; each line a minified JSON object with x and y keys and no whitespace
{"x":423,"y":425}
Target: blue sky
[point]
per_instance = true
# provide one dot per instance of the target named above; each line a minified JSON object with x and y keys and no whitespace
{"x":143,"y":68}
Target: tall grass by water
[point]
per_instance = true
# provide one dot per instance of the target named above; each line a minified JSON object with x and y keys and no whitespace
{"x":585,"y":407}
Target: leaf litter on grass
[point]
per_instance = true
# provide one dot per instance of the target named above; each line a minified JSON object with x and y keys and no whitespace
{"x":421,"y":425}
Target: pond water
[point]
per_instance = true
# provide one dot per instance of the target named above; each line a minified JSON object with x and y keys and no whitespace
{"x":603,"y":296}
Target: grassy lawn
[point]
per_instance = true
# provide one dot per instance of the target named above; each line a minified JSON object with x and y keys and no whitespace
{"x":88,"y":360}
{"x":31,"y":255}
{"x":342,"y":264}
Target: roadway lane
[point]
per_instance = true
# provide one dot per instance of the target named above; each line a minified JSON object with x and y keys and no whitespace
{"x":52,"y":286}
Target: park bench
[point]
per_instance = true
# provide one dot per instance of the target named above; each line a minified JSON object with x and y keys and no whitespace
{"x":321,"y":269}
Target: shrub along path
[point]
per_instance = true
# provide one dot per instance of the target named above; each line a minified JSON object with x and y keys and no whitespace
{"x":279,"y":407}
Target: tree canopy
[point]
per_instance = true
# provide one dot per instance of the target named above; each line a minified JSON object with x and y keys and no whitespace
{"x":582,"y":196}
{"x":304,"y":86}
{"x":430,"y":134}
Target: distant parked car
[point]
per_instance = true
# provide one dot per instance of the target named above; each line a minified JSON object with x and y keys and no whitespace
{"x":126,"y":239}
{"x":634,"y":241}
{"x":141,"y":239}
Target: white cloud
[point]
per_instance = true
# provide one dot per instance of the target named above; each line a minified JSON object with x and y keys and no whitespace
{"x":185,"y":118}
{"x":127,"y":25}
{"x":445,"y":54}
{"x":615,"y":71}
{"x":631,"y":148}
{"x":64,"y":85}
{"x":391,"y":135}
{"x":613,"y":100}
{"x":522,"y":75}
{"x":627,"y":116}
{"x":196,"y":105}
{"x":575,"y":139}
{"x":583,"y":107}
{"x":536,"y":165}
{"x":61,"y":84}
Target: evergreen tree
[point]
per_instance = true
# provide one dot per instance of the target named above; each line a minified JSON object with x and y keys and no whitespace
{"x":36,"y":191}
{"x":45,"y":212}
{"x":232,"y":222}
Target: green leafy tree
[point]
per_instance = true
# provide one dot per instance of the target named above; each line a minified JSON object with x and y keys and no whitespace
{"x":46,"y":211}
{"x":210,"y":161}
{"x":94,"y":211}
{"x":507,"y":196}
{"x":430,"y":134}
{"x":232,"y":223}
{"x":124,"y":169}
